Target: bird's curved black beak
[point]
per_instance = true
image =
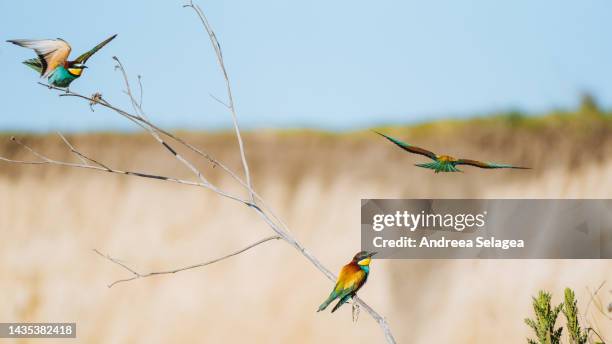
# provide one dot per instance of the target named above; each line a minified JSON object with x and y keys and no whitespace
{"x":371,"y":254}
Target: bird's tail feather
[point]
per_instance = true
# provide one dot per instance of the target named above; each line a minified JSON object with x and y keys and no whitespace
{"x":326,"y":303}
{"x":340,"y":303}
{"x":439,"y":167}
{"x":429,"y":165}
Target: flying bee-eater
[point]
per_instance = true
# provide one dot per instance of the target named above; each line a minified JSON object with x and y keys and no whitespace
{"x":52,"y":62}
{"x":351,"y":278}
{"x":445,"y":163}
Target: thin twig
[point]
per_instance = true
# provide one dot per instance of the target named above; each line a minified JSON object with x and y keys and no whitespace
{"x":593,"y":299}
{"x":590,"y":329}
{"x":48,"y":161}
{"x":217,"y":47}
{"x":141,"y":91}
{"x":78,"y":154}
{"x":231,"y":106}
{"x":146,"y":124}
{"x":138,"y":275}
{"x":128,"y":88}
{"x":219,"y":100}
{"x":153,"y":131}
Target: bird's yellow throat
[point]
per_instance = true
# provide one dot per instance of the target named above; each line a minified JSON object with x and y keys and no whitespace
{"x":75,"y":71}
{"x":365,"y":261}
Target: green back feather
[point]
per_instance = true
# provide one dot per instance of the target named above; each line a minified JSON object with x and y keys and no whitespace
{"x":34,"y":64}
{"x":439,"y":166}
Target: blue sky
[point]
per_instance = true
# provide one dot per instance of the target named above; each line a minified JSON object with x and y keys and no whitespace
{"x":325,"y":64}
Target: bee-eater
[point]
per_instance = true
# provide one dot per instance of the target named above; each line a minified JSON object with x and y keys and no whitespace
{"x":52,"y":62}
{"x":445,"y":163}
{"x":351,"y":278}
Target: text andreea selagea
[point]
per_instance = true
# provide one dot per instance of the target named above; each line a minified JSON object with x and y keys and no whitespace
{"x":478,"y":242}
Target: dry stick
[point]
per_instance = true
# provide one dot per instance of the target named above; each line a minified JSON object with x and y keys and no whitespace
{"x":141,"y":120}
{"x":148,"y":126}
{"x":593,"y":295}
{"x":128,"y":91}
{"x":144,"y":123}
{"x":217,"y":47}
{"x":590,"y":329}
{"x":44,"y":160}
{"x":597,"y":303}
{"x":141,"y":91}
{"x":231,"y":106}
{"x":286,"y":236}
{"x":153,"y":130}
{"x":138,"y":275}
{"x":278,"y":229}
{"x":78,"y":154}
{"x":382,"y":322}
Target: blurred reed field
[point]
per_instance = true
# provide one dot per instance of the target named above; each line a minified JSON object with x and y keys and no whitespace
{"x":51,"y":218}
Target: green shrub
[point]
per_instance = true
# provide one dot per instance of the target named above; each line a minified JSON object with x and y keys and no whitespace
{"x":544,"y":323}
{"x":570,"y":309}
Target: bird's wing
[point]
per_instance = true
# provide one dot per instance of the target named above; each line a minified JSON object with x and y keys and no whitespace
{"x":410,"y":148}
{"x":83,"y":58}
{"x":34,"y":64}
{"x":51,"y":52}
{"x":350,"y":279}
{"x":343,"y":285}
{"x":482,"y":164}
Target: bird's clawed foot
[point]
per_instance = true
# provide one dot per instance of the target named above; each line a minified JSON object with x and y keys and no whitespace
{"x":355,"y":311}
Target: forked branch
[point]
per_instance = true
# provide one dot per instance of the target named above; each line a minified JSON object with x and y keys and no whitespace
{"x":255,"y":202}
{"x":137,"y":275}
{"x":230,"y":104}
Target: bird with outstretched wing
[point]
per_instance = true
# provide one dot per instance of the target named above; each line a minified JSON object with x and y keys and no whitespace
{"x":52,"y":61}
{"x":445,"y":163}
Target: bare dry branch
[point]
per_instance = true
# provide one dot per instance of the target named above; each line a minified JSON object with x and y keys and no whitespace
{"x":79,"y":155}
{"x":45,"y":160}
{"x":137,"y":275}
{"x":219,"y":100}
{"x":593,"y":299}
{"x":144,"y":123}
{"x":230,"y":105}
{"x":140,"y":119}
{"x":155,"y":132}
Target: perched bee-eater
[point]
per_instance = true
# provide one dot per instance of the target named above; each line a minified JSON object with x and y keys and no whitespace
{"x":352,"y":277}
{"x":52,"y":62}
{"x":445,"y":163}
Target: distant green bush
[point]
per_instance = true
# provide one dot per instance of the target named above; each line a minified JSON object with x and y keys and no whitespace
{"x":589,"y":105}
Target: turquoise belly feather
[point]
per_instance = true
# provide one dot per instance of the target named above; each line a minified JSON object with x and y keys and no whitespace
{"x":61,"y":77}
